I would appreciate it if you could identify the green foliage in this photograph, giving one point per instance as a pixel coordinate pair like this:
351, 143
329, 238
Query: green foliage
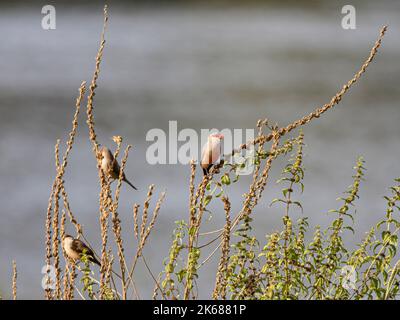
87, 279
173, 276
242, 271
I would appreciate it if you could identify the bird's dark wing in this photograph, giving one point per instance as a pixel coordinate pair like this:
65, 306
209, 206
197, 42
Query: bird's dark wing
116, 172
115, 169
80, 247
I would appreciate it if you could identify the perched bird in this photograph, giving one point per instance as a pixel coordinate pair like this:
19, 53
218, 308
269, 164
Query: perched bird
75, 249
211, 152
111, 167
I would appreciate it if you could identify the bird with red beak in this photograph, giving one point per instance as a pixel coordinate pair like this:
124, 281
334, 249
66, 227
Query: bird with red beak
211, 152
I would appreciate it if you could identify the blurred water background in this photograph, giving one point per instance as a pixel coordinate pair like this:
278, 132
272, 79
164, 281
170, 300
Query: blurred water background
204, 66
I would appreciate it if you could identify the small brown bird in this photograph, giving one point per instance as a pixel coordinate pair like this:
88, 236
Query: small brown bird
211, 152
75, 249
110, 166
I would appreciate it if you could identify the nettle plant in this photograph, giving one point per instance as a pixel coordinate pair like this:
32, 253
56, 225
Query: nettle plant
287, 265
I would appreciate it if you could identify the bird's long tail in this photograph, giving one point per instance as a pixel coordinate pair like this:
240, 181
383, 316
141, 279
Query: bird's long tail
94, 260
127, 181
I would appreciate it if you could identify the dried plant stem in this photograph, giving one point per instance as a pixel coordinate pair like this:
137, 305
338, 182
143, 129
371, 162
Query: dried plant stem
55, 246
105, 193
135, 220
78, 227
145, 232
319, 111
49, 215
93, 86
58, 186
221, 281
194, 228
49, 234
258, 185
156, 281
192, 208
157, 287
66, 269
145, 211
105, 199
104, 213
14, 280
117, 223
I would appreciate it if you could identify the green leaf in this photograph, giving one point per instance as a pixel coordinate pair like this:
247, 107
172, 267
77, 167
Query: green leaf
225, 179
207, 200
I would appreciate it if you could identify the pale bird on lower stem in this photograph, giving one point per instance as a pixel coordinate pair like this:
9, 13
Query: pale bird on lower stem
211, 152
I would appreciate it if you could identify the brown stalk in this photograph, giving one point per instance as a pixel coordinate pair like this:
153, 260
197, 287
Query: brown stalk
221, 281
117, 222
93, 86
145, 232
135, 220
61, 167
14, 280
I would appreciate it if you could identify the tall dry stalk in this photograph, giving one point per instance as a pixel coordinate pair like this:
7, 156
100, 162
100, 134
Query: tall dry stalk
52, 217
221, 278
145, 229
14, 280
